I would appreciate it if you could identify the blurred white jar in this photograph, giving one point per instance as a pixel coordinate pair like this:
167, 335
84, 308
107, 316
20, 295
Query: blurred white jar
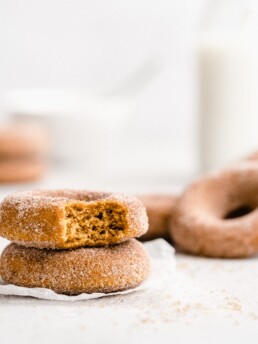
228, 77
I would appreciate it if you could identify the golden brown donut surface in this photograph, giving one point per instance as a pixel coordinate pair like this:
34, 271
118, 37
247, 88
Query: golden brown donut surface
81, 270
71, 218
217, 216
159, 210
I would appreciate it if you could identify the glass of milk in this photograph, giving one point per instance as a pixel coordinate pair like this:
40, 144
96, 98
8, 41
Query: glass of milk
228, 83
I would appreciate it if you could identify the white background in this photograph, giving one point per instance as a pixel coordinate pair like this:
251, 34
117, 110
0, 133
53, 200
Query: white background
96, 46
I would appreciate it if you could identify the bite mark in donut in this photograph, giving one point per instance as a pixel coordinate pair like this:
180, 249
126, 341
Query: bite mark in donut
96, 222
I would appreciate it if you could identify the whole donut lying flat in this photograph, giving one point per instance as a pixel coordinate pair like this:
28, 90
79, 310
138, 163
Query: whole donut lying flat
159, 210
21, 170
68, 218
82, 270
218, 215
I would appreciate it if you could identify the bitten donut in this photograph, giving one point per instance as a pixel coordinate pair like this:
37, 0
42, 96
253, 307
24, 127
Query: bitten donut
159, 210
61, 219
82, 270
217, 216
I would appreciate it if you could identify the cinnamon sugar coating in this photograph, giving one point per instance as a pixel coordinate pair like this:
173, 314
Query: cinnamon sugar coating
217, 216
61, 219
81, 270
160, 211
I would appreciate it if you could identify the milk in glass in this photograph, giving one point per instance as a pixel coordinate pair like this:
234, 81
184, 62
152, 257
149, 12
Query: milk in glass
228, 80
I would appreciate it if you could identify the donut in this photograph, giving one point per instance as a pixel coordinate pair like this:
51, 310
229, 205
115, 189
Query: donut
81, 270
18, 140
23, 149
61, 219
217, 216
159, 210
21, 170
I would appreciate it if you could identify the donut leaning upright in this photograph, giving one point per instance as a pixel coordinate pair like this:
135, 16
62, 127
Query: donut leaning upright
217, 216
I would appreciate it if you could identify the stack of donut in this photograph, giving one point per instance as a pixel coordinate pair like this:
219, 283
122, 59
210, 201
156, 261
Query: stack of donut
73, 241
23, 149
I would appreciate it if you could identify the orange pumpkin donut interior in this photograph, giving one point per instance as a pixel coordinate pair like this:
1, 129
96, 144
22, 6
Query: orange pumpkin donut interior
217, 216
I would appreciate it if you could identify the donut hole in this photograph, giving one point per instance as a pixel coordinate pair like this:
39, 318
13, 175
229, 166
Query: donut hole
240, 211
95, 223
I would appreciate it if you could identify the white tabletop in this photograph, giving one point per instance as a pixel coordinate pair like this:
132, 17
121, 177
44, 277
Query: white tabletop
207, 301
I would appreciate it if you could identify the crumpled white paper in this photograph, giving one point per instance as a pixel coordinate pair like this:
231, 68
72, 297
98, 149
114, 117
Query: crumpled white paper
162, 266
